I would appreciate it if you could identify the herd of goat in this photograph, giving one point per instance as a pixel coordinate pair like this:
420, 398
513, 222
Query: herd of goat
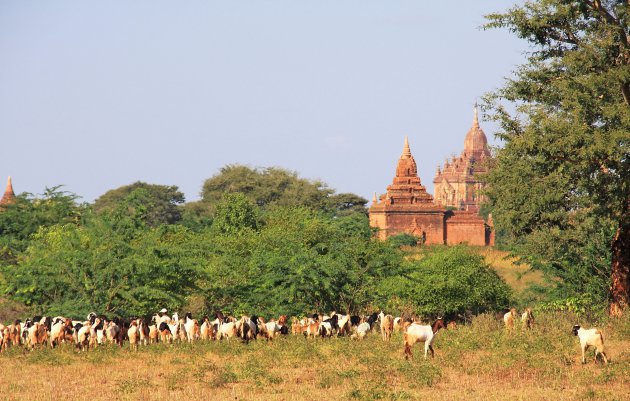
96, 330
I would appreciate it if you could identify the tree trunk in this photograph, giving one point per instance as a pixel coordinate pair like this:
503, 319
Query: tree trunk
620, 272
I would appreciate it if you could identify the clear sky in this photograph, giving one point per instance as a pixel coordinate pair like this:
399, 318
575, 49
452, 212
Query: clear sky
99, 94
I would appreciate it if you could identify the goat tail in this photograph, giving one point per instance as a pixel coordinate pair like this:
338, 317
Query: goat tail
601, 335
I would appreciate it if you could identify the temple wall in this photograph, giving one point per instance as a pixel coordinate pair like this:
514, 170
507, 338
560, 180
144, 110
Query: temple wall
417, 223
379, 220
465, 228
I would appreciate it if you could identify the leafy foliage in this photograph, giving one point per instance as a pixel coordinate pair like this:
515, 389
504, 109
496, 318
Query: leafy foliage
276, 186
22, 218
74, 269
247, 259
448, 282
298, 261
234, 213
160, 202
560, 189
403, 239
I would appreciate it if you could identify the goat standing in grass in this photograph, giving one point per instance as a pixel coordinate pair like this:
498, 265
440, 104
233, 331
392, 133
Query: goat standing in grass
58, 331
590, 338
144, 332
83, 335
14, 333
527, 319
296, 326
509, 318
271, 329
416, 332
387, 326
133, 334
312, 328
205, 331
37, 335
365, 327
112, 331
190, 327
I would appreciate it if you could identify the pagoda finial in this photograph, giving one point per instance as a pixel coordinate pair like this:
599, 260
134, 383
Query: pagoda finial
406, 150
476, 117
9, 195
374, 199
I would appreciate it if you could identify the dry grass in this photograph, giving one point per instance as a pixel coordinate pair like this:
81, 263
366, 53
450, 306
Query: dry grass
518, 276
474, 362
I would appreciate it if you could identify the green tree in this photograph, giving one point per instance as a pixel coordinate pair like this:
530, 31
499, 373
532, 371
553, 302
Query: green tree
22, 218
266, 186
74, 269
447, 281
234, 213
160, 201
347, 203
560, 189
296, 261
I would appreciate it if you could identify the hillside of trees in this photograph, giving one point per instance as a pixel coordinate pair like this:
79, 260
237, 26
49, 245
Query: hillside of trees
252, 247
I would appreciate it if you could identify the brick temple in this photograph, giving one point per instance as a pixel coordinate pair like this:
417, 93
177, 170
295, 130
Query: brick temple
456, 183
450, 218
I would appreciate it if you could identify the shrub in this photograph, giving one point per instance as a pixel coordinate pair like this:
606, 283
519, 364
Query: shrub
403, 239
450, 282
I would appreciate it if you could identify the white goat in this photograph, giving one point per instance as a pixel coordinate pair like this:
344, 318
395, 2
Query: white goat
272, 328
590, 338
416, 332
58, 331
227, 330
190, 326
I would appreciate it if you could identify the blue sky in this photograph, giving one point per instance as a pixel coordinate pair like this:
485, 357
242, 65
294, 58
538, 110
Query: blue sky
99, 94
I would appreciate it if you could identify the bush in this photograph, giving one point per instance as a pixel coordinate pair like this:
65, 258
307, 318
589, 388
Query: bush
447, 281
403, 240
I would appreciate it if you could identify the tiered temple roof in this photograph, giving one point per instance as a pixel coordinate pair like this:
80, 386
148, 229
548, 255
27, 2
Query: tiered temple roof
406, 188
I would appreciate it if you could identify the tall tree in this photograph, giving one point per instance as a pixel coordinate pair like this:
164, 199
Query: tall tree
561, 184
266, 186
161, 202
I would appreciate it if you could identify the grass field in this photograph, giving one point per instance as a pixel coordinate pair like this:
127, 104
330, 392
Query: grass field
480, 361
520, 277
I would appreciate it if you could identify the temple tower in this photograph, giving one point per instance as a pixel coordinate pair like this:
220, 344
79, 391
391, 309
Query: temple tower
9, 195
456, 182
406, 207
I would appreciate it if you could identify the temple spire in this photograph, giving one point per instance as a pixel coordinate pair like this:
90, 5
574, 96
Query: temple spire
9, 195
476, 117
374, 199
406, 150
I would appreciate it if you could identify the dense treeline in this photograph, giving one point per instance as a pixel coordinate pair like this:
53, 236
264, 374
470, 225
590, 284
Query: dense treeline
127, 254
